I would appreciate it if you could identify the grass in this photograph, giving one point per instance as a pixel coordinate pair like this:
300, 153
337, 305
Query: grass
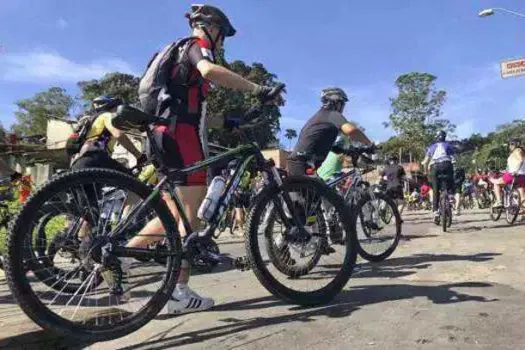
53, 226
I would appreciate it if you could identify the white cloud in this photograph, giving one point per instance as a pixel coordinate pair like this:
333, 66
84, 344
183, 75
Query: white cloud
62, 24
43, 67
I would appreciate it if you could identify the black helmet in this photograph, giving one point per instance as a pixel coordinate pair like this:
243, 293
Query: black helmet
232, 165
105, 103
393, 158
442, 135
514, 141
333, 94
203, 15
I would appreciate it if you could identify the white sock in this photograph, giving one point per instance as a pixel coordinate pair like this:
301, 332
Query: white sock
181, 287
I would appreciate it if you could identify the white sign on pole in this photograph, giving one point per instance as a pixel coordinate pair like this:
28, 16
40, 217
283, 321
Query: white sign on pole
512, 68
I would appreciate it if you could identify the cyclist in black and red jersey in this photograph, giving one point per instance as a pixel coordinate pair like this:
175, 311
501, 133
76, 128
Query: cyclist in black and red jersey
184, 141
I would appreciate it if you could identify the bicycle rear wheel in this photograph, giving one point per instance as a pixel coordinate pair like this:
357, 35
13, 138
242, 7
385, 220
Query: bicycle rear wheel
513, 206
378, 226
319, 282
92, 312
444, 210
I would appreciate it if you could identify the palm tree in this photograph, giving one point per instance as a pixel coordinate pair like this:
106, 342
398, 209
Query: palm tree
290, 134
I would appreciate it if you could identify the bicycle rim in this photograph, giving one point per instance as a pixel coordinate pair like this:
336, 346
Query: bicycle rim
296, 270
92, 311
378, 227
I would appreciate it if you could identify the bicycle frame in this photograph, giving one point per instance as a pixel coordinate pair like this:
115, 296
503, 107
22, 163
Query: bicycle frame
357, 180
248, 153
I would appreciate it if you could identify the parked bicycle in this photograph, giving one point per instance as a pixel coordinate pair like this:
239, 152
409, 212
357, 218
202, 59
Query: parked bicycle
92, 312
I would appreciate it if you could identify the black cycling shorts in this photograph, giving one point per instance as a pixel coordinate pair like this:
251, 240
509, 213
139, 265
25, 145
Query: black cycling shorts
241, 200
395, 192
181, 147
98, 159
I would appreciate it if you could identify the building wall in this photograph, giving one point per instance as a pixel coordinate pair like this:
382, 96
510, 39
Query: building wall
57, 133
278, 155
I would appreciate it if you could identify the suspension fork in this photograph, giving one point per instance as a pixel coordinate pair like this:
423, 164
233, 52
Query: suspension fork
270, 168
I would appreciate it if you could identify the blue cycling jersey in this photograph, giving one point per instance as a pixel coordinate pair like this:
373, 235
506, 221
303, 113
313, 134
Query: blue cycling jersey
440, 152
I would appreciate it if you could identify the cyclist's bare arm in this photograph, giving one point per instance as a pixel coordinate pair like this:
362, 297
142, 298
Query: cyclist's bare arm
355, 134
224, 77
122, 138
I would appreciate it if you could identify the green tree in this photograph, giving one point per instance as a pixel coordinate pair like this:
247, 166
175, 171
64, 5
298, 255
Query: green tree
225, 102
33, 113
290, 134
493, 151
416, 111
124, 86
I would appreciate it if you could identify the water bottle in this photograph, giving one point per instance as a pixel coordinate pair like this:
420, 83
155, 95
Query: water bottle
210, 202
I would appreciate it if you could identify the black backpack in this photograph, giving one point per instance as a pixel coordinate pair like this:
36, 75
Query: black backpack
153, 87
75, 141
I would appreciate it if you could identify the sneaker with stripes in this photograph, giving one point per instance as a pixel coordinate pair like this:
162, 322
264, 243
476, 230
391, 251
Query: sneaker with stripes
184, 300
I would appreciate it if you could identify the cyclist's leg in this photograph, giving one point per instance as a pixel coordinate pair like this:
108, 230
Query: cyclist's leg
498, 191
435, 189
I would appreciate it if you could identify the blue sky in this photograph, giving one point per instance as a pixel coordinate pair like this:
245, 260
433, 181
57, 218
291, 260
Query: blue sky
361, 46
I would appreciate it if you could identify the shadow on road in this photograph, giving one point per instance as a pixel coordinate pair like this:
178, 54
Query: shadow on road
347, 302
408, 265
41, 340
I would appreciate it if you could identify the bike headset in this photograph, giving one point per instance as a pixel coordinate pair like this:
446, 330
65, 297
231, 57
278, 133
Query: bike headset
202, 16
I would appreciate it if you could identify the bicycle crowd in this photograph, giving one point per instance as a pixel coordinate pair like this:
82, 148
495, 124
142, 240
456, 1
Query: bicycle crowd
93, 236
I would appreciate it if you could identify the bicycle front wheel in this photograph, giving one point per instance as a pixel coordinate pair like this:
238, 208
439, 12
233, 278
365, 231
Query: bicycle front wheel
298, 260
95, 202
378, 226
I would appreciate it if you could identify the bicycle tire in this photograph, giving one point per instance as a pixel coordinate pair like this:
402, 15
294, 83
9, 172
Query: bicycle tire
395, 214
444, 210
33, 306
308, 298
512, 211
494, 213
275, 252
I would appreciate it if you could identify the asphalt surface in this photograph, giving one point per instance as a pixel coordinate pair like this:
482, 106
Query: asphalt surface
463, 289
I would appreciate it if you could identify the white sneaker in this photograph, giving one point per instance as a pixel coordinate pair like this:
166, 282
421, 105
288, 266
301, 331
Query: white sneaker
184, 300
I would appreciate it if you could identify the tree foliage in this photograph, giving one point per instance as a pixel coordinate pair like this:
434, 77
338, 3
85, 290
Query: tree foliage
124, 86
225, 102
416, 112
290, 134
33, 113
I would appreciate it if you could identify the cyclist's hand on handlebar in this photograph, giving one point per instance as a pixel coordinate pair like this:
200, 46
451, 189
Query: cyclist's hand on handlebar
271, 94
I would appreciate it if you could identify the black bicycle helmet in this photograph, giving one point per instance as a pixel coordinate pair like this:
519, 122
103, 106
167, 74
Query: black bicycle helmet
333, 94
205, 15
393, 158
105, 103
514, 141
441, 135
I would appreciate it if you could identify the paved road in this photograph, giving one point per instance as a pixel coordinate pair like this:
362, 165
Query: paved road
461, 290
